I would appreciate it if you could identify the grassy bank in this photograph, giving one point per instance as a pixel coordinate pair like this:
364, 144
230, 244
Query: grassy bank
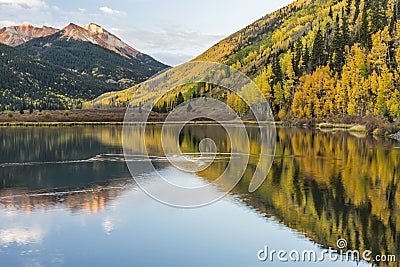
63, 116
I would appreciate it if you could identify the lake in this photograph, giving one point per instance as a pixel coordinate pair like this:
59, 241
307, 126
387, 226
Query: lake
67, 198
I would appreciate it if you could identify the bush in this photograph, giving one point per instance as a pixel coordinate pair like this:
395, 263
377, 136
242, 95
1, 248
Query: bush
372, 122
10, 114
282, 114
66, 113
378, 125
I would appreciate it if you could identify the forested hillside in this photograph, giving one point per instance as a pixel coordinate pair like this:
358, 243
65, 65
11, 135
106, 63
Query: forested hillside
49, 68
29, 83
322, 58
312, 59
93, 60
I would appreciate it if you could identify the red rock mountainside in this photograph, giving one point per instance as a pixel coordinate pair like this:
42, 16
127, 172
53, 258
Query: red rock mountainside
16, 35
111, 41
98, 35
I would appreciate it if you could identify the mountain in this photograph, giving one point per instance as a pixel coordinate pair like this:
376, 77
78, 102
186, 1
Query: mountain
323, 59
94, 51
57, 69
111, 42
96, 34
16, 35
26, 81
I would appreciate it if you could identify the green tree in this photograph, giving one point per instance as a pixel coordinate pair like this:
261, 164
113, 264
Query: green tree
179, 99
365, 34
378, 16
318, 51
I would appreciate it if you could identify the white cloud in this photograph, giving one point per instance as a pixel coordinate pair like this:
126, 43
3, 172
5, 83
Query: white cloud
82, 9
20, 236
6, 23
108, 226
110, 11
173, 46
24, 3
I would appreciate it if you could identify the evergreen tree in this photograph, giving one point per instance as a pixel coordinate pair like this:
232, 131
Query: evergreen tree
357, 11
338, 45
318, 51
277, 71
365, 34
189, 108
298, 53
345, 33
348, 7
179, 99
306, 57
378, 17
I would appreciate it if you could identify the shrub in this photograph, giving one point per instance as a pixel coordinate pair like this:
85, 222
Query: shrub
282, 114
10, 114
378, 125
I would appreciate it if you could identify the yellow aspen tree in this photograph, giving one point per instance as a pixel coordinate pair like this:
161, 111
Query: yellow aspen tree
264, 81
289, 82
354, 73
299, 102
385, 91
380, 49
374, 85
340, 99
279, 99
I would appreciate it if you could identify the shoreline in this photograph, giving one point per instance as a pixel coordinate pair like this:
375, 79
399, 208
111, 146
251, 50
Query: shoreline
72, 124
326, 127
369, 125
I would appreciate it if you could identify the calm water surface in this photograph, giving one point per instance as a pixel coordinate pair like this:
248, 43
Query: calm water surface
68, 199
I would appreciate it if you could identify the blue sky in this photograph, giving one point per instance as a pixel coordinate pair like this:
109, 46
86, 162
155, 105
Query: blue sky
172, 31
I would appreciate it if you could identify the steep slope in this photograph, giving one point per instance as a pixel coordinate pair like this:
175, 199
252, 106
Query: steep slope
108, 40
251, 48
96, 52
322, 58
16, 35
325, 59
26, 81
111, 42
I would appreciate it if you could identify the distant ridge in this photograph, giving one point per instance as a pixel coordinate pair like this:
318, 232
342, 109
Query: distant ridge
93, 33
17, 35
